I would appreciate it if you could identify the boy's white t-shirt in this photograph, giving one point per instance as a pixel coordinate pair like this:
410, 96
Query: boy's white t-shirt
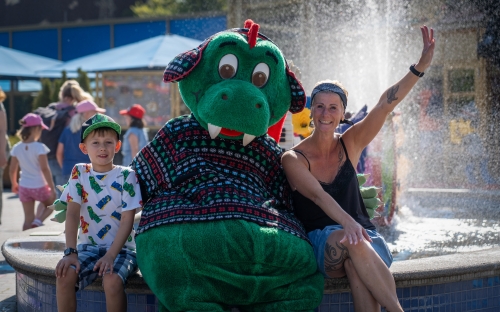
27, 154
102, 197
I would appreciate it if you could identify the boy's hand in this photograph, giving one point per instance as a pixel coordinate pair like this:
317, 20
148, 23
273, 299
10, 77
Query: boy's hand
105, 264
65, 263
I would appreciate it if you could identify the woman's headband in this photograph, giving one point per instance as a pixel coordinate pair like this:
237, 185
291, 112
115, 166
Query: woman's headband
327, 86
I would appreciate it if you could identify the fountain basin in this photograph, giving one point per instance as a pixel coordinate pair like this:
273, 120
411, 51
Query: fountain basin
459, 282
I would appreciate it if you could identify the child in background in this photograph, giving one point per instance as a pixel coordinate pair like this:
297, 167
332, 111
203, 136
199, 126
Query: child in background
102, 199
36, 182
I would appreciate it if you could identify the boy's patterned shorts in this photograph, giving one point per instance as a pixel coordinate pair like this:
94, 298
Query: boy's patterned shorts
125, 264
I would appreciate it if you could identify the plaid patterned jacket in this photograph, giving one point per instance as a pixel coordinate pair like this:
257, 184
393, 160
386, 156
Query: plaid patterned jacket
186, 176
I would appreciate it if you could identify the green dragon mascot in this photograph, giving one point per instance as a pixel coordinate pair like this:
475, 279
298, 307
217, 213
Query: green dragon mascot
217, 230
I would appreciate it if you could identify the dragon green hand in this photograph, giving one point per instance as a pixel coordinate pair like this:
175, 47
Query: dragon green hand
369, 194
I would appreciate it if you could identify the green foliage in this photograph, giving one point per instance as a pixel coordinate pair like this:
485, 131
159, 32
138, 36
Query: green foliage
83, 80
44, 96
159, 8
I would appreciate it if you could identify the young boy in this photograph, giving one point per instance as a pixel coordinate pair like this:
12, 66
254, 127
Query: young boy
102, 198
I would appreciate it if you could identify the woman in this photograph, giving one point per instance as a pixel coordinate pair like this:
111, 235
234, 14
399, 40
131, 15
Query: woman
61, 114
68, 152
320, 170
136, 136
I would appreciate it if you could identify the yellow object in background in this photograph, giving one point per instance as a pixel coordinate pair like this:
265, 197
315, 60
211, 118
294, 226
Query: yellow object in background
459, 129
301, 122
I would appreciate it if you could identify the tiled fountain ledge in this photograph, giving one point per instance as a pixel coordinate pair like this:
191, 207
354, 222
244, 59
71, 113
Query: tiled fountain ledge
459, 282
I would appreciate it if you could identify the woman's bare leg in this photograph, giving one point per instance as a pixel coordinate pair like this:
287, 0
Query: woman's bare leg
362, 297
371, 270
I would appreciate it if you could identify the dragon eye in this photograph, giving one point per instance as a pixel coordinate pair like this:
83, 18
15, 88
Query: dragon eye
260, 75
228, 66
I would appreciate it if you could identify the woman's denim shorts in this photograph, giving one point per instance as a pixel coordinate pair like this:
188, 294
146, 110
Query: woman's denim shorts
318, 239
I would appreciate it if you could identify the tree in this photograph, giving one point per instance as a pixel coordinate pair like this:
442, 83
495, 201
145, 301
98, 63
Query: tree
43, 98
83, 80
57, 86
158, 8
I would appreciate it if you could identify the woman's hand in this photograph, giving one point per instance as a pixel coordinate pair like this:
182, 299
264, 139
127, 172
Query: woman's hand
354, 233
427, 50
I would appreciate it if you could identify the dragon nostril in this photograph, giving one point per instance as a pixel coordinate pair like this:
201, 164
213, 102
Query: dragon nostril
224, 96
258, 105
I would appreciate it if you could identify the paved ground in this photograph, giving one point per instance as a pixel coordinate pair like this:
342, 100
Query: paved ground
12, 222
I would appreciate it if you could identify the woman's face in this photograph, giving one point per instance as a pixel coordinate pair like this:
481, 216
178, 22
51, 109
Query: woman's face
327, 111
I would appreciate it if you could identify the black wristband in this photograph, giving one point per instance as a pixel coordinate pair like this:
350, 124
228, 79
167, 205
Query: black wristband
416, 72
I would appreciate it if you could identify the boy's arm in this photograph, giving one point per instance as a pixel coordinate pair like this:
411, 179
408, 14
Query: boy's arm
105, 264
71, 226
71, 233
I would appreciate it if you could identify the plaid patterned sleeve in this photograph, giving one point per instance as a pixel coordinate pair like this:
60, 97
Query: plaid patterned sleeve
154, 164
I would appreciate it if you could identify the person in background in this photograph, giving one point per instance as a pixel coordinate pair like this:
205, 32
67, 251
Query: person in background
36, 182
68, 152
57, 116
4, 146
136, 136
326, 195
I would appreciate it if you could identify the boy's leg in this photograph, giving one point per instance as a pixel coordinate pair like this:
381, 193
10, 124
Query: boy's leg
125, 264
65, 291
116, 300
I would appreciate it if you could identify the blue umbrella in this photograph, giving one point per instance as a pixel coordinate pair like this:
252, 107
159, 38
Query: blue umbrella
146, 54
20, 65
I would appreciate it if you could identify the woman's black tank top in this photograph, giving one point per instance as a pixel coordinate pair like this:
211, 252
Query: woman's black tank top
344, 189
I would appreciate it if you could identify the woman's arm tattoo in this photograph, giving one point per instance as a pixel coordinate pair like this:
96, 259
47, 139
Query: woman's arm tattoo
335, 257
391, 94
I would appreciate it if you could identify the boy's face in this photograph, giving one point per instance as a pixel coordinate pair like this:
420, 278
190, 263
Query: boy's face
101, 148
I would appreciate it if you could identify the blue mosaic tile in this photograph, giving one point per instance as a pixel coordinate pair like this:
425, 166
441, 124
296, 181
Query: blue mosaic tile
334, 298
345, 297
325, 300
406, 292
344, 308
414, 291
479, 294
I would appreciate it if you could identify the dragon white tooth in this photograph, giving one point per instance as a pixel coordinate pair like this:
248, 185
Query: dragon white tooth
247, 138
213, 130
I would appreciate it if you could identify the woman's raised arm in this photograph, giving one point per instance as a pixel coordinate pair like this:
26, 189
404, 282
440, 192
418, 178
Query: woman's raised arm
362, 133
